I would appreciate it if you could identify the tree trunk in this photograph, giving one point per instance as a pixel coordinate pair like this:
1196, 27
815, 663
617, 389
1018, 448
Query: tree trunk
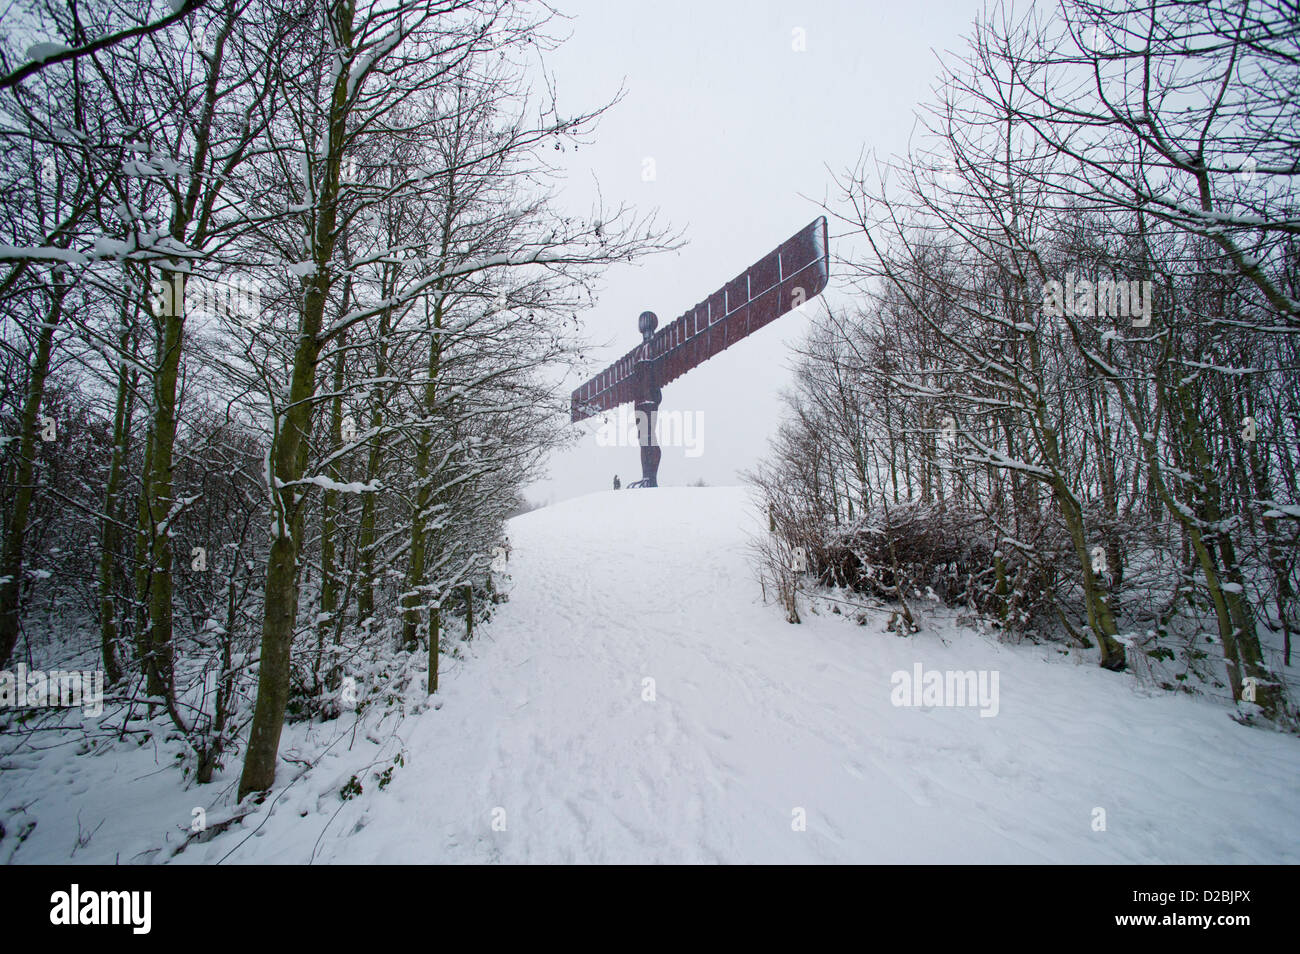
140, 608
290, 454
11, 558
281, 609
110, 535
424, 494
329, 507
434, 648
160, 504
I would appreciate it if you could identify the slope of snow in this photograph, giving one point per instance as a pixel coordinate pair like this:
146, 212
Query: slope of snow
546, 748
548, 730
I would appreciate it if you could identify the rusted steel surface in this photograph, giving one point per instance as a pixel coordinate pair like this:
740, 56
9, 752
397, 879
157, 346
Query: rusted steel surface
794, 272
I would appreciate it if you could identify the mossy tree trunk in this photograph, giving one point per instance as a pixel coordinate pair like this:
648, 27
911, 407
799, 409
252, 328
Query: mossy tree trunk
290, 452
11, 557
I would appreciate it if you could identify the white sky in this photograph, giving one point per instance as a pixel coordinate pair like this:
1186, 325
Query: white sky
742, 130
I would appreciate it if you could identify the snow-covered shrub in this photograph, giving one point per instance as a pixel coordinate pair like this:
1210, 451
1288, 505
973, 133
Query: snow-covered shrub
935, 548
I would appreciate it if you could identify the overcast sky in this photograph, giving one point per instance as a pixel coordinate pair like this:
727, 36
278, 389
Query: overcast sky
741, 128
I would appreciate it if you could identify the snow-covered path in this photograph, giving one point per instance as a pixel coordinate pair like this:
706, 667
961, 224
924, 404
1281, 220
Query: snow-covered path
546, 749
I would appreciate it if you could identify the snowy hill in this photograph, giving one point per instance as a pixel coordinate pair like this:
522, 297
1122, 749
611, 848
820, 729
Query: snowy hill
549, 746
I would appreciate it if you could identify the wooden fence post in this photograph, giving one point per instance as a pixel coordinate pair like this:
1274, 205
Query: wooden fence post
434, 640
469, 612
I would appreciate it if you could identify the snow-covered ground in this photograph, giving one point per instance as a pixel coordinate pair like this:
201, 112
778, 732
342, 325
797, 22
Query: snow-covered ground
757, 741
